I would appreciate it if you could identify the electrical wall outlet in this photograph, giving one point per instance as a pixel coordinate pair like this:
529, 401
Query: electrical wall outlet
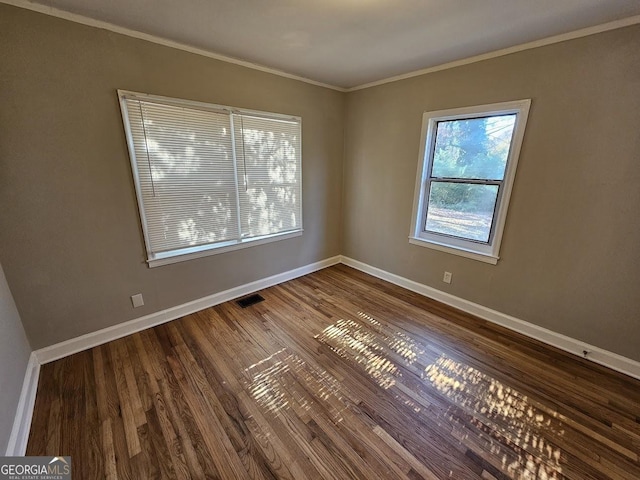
447, 277
137, 300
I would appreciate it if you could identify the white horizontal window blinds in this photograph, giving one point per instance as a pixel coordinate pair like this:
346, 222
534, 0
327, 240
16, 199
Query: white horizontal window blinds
269, 160
186, 178
211, 177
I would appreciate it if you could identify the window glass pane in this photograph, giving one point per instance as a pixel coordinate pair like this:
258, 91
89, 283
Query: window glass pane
185, 168
473, 148
270, 209
208, 178
269, 172
462, 210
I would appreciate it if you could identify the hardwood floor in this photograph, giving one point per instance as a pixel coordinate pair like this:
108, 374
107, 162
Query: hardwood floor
336, 375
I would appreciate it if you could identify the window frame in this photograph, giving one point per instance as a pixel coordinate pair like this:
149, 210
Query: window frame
484, 252
155, 259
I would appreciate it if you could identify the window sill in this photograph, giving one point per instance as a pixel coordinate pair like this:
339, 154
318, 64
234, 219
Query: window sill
462, 252
200, 251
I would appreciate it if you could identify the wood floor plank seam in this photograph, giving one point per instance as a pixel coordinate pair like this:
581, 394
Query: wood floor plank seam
336, 375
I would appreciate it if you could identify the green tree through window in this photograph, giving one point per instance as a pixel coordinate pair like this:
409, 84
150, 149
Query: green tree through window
466, 170
475, 149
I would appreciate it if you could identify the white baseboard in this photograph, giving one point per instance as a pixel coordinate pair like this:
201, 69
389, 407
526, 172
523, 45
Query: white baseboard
84, 342
17, 445
20, 432
598, 355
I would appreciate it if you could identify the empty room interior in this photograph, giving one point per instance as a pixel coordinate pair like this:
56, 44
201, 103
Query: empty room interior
357, 239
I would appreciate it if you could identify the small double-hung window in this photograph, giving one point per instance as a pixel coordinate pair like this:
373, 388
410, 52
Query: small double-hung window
466, 168
211, 178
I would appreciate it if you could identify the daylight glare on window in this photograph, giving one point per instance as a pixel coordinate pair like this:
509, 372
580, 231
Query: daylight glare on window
189, 196
473, 148
461, 210
468, 154
466, 169
268, 162
209, 176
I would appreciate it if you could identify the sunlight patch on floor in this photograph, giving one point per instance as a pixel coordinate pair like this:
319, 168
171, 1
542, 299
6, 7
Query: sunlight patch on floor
283, 380
370, 347
504, 415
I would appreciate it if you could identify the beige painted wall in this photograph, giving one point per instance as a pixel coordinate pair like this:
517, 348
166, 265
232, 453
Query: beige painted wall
570, 257
70, 238
14, 357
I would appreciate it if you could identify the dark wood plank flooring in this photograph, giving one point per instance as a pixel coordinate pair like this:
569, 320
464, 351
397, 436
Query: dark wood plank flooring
336, 375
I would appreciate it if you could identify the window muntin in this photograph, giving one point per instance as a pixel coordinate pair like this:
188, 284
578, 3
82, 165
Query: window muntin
211, 178
463, 210
465, 172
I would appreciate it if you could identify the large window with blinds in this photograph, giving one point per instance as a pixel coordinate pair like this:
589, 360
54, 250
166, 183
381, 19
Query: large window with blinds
211, 178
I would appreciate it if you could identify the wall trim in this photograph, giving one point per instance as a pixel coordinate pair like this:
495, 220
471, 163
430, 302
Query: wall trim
91, 22
22, 424
93, 339
563, 37
17, 445
596, 354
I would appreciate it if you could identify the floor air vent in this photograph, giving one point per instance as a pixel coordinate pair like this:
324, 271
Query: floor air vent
250, 300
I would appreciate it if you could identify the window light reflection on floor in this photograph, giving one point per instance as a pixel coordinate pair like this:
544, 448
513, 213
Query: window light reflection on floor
516, 429
371, 347
283, 380
516, 434
505, 416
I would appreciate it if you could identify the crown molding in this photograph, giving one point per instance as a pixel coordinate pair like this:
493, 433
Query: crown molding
73, 17
583, 32
91, 22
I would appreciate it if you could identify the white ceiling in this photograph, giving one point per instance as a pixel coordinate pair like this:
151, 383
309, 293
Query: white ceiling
347, 43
